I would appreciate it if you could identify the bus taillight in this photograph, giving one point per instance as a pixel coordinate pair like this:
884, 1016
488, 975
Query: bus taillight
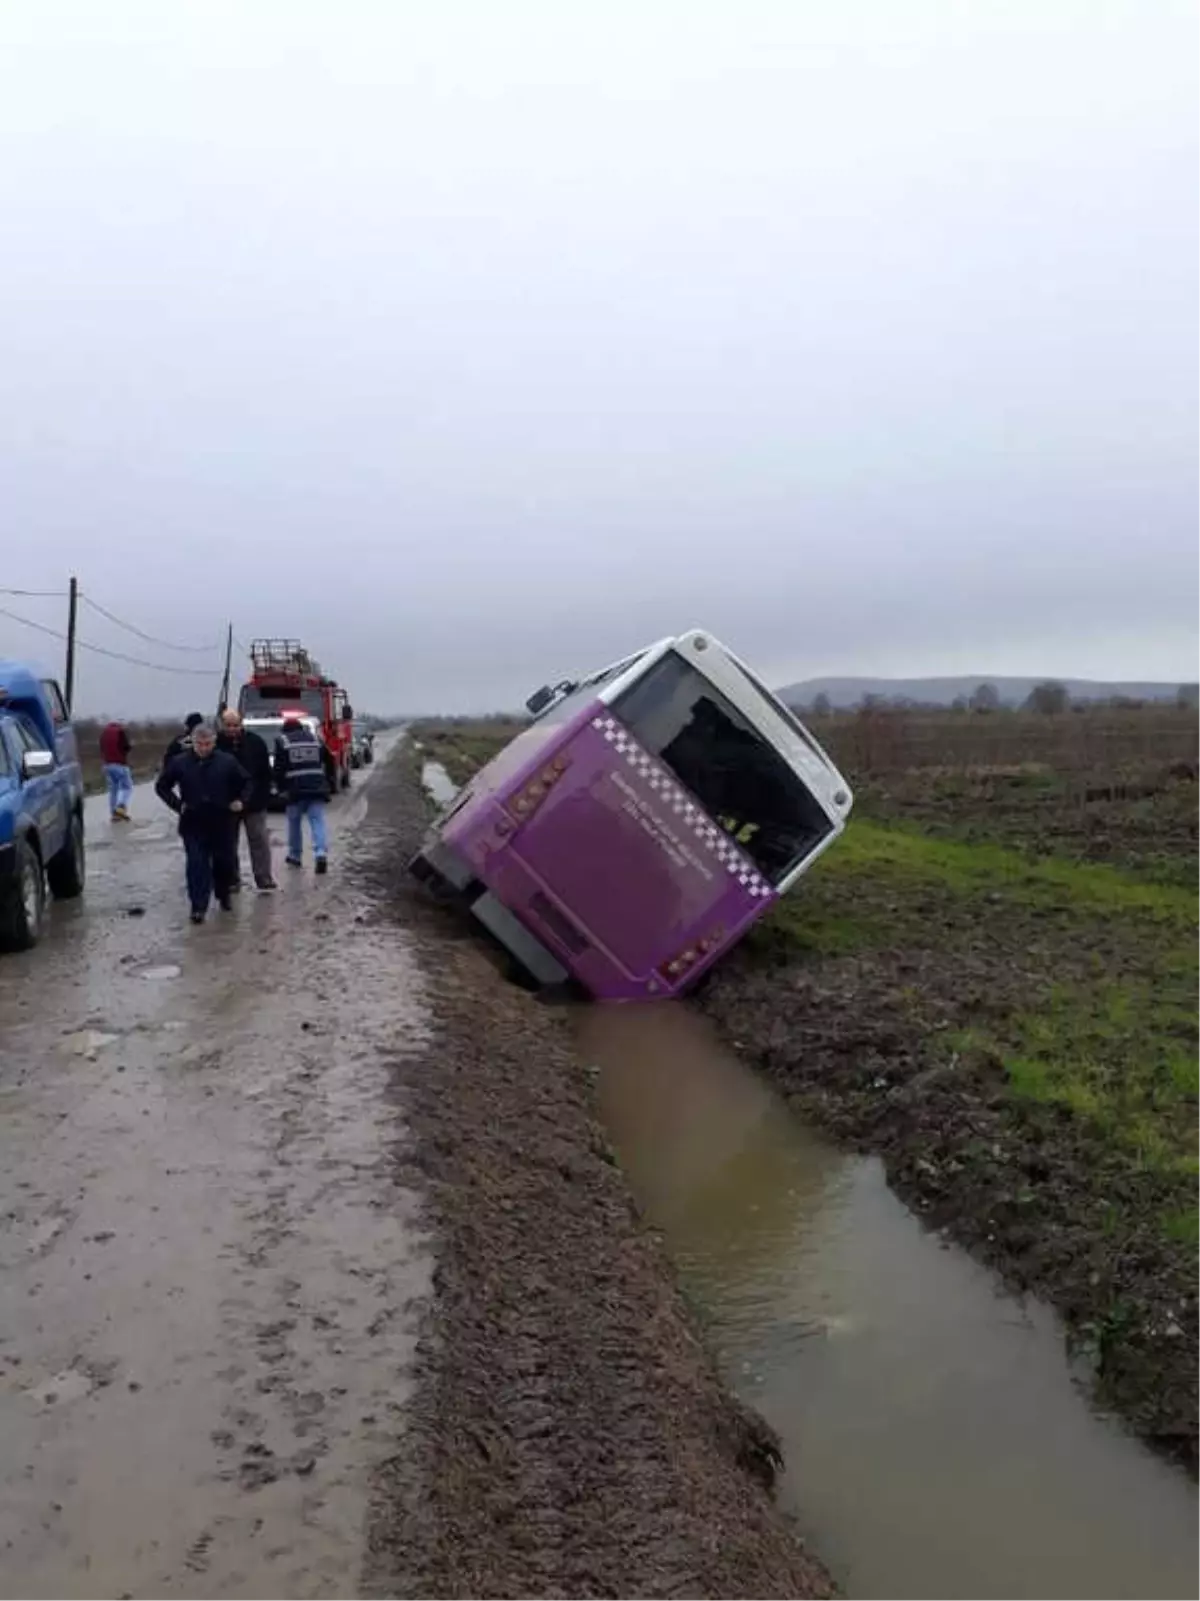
679, 966
526, 800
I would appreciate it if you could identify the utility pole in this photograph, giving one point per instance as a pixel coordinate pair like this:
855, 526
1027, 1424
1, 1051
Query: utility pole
72, 607
228, 665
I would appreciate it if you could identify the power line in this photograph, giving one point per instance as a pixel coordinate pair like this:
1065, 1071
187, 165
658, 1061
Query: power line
29, 623
151, 639
138, 661
36, 594
115, 655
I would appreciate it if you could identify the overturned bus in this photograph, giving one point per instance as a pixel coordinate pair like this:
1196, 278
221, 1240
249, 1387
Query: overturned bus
647, 816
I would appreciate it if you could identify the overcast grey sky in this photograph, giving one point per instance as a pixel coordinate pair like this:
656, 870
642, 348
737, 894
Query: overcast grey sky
479, 342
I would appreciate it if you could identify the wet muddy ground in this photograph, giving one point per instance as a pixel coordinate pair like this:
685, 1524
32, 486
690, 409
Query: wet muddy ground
318, 1278
569, 1434
210, 1274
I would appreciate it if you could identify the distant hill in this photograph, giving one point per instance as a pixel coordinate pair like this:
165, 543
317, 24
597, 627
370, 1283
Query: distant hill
843, 692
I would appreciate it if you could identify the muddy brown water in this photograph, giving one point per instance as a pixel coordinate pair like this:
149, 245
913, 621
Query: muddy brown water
936, 1441
209, 1279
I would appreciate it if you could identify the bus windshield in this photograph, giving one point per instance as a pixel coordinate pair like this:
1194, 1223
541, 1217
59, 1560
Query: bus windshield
739, 778
267, 700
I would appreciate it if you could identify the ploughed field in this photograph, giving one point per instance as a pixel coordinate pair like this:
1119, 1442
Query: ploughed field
991, 980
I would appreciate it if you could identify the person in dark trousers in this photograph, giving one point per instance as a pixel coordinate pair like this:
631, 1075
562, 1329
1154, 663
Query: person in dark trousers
251, 751
114, 753
206, 787
183, 741
300, 770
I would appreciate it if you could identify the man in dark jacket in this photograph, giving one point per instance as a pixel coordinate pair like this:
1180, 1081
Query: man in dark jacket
114, 753
183, 741
246, 746
206, 788
300, 770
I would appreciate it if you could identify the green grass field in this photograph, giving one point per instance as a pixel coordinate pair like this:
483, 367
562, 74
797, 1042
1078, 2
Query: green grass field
1102, 1020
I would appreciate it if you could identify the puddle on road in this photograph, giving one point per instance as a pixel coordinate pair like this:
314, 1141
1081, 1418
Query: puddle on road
438, 782
936, 1444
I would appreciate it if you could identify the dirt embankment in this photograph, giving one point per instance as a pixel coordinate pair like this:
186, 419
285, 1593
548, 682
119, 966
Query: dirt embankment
897, 1048
569, 1434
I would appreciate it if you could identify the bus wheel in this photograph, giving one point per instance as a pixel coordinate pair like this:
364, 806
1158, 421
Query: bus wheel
346, 777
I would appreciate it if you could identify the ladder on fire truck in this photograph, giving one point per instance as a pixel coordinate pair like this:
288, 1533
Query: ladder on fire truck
269, 657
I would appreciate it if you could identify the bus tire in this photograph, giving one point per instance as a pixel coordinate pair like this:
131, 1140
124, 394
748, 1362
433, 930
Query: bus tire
421, 869
23, 906
65, 872
427, 874
519, 975
346, 776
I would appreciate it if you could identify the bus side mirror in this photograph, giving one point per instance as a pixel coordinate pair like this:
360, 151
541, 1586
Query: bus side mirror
539, 700
348, 711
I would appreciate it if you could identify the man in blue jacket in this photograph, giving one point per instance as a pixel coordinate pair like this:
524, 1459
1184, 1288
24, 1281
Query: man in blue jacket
300, 771
206, 788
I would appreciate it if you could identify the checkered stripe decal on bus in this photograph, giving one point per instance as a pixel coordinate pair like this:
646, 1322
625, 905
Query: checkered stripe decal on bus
714, 840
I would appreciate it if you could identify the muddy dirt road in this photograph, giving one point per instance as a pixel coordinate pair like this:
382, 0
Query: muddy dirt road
318, 1276
210, 1277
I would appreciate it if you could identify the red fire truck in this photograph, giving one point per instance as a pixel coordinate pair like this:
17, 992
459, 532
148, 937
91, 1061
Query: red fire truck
284, 677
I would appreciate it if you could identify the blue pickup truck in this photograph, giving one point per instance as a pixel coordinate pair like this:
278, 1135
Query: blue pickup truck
41, 803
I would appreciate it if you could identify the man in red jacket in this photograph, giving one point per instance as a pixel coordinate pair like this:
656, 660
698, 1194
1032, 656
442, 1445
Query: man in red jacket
114, 753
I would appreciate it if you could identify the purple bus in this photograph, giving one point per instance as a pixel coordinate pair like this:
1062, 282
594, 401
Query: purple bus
647, 816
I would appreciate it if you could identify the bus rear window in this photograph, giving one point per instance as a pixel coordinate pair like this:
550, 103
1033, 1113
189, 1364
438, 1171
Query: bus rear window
739, 779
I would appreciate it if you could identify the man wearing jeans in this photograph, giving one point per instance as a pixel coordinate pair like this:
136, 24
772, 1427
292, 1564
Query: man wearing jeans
114, 753
300, 769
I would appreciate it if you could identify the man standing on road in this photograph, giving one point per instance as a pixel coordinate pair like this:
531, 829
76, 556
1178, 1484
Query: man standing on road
246, 747
206, 787
300, 769
183, 741
114, 753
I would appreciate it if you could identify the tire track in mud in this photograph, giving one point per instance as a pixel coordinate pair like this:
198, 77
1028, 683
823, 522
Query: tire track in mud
568, 1434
